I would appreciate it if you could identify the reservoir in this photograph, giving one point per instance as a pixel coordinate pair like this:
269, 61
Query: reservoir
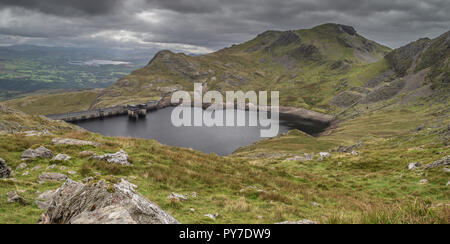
157, 125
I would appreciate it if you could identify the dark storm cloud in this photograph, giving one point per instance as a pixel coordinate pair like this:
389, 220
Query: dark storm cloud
204, 25
66, 7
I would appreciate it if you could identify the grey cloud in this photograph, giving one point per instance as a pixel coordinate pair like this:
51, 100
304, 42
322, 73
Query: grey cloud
214, 24
66, 7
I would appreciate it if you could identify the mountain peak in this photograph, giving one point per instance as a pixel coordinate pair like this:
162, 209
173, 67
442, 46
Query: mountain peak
337, 28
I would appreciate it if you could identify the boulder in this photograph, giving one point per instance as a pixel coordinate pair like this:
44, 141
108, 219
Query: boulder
178, 197
5, 171
442, 162
413, 166
43, 200
74, 142
102, 203
61, 157
106, 215
14, 197
52, 177
40, 152
120, 157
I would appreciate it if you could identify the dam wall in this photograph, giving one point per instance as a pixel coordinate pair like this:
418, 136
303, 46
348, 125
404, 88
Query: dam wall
105, 112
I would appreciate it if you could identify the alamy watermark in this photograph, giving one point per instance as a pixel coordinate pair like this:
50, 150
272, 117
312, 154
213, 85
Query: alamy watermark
235, 105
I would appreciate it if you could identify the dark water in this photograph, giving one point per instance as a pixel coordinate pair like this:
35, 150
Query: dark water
220, 140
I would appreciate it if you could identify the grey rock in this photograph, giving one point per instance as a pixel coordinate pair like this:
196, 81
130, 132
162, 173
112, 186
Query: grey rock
98, 203
37, 133
72, 172
120, 157
5, 171
446, 170
300, 222
178, 197
74, 142
442, 162
344, 149
106, 215
413, 166
43, 200
40, 152
14, 197
26, 173
52, 177
61, 158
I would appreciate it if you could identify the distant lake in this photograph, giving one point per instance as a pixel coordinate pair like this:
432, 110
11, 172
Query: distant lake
98, 62
220, 140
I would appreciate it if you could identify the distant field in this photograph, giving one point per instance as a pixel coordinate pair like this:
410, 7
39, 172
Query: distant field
28, 69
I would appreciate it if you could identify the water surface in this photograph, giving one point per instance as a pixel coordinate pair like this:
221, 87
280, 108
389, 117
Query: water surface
220, 140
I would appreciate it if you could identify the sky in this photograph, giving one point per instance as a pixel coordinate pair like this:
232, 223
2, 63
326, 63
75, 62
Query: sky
202, 26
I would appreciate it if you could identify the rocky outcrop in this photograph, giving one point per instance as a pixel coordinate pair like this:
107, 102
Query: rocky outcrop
413, 166
101, 203
14, 197
61, 157
349, 149
52, 177
40, 152
74, 142
442, 162
178, 197
120, 157
43, 200
346, 99
5, 171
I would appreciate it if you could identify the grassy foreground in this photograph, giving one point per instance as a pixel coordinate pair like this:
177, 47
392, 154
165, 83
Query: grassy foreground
257, 184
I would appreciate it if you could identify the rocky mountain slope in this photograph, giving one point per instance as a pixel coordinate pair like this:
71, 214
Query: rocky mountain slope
306, 66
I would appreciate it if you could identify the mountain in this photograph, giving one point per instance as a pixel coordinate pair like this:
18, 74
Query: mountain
304, 65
